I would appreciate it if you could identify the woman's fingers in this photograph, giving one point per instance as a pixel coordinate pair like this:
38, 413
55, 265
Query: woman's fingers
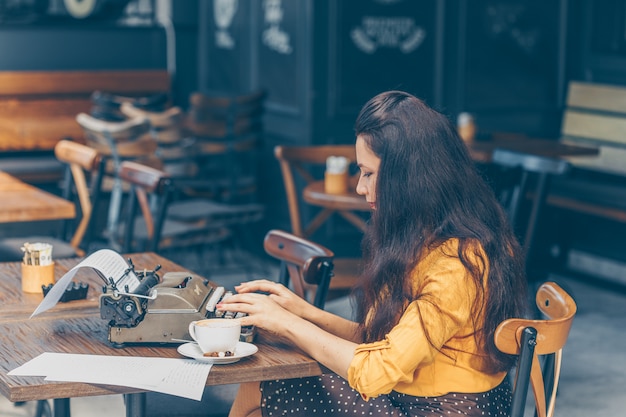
260, 310
261, 285
240, 300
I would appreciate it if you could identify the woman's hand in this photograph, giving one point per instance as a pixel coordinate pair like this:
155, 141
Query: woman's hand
279, 294
272, 307
262, 311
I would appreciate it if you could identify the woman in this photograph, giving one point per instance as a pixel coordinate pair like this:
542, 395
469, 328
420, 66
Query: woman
442, 270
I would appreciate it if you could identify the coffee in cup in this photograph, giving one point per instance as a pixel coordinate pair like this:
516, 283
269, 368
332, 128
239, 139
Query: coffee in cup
216, 337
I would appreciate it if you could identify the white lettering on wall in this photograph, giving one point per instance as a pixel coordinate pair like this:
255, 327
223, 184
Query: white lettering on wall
274, 37
224, 11
388, 32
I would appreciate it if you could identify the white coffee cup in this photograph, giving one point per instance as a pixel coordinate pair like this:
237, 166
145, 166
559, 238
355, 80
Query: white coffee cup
216, 335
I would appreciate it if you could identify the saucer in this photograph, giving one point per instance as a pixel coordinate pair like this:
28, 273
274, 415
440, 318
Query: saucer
192, 350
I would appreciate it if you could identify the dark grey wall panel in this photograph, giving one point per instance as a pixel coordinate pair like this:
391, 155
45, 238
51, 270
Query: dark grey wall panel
224, 54
81, 47
378, 46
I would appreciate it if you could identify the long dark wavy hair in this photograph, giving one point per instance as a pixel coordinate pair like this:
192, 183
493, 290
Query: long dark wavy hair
428, 190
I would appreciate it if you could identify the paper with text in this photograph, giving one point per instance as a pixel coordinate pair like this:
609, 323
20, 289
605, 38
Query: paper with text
108, 263
181, 377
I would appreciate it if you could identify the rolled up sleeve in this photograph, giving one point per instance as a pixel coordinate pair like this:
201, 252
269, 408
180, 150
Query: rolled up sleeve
441, 310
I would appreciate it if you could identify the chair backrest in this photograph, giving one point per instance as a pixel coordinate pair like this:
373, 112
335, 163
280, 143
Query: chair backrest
595, 116
130, 139
531, 338
174, 148
81, 159
145, 182
297, 164
525, 171
227, 130
308, 264
218, 116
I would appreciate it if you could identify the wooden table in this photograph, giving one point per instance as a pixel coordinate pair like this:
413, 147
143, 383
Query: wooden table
481, 151
23, 202
349, 204
343, 204
76, 327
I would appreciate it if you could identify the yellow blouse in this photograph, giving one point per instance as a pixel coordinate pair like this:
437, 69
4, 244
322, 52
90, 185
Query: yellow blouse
405, 361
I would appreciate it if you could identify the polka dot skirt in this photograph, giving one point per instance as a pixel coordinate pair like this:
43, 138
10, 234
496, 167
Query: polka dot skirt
330, 395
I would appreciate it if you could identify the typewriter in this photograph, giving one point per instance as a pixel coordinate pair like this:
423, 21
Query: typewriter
159, 310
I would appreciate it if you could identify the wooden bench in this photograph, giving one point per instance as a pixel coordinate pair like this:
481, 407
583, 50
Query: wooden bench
595, 116
39, 108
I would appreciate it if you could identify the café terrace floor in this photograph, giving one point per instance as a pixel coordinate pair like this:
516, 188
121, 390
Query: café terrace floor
592, 380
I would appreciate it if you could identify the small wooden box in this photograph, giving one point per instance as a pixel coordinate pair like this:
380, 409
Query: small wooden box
34, 276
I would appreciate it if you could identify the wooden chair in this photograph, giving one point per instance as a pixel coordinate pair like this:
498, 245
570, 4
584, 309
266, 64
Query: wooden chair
304, 165
524, 176
83, 179
149, 191
82, 159
107, 105
531, 338
174, 148
227, 130
128, 140
309, 265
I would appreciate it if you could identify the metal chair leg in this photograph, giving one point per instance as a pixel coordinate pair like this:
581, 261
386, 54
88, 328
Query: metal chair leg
43, 409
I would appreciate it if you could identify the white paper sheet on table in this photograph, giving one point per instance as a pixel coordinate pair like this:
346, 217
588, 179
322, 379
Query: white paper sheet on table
108, 263
181, 377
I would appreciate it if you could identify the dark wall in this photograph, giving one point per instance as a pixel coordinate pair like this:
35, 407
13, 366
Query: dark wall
78, 45
185, 74
514, 64
320, 60
506, 61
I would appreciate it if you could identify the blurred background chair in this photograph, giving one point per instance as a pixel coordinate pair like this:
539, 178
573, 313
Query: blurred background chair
309, 265
107, 106
128, 140
522, 185
175, 149
530, 339
225, 133
83, 182
302, 166
84, 167
149, 193
227, 130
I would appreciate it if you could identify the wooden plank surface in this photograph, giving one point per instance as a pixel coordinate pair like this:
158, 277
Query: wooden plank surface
598, 97
23, 202
18, 83
39, 108
481, 151
76, 327
595, 128
41, 133
23, 340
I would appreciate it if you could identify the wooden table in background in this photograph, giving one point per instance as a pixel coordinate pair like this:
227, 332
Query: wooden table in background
76, 327
349, 203
481, 151
23, 202
345, 205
